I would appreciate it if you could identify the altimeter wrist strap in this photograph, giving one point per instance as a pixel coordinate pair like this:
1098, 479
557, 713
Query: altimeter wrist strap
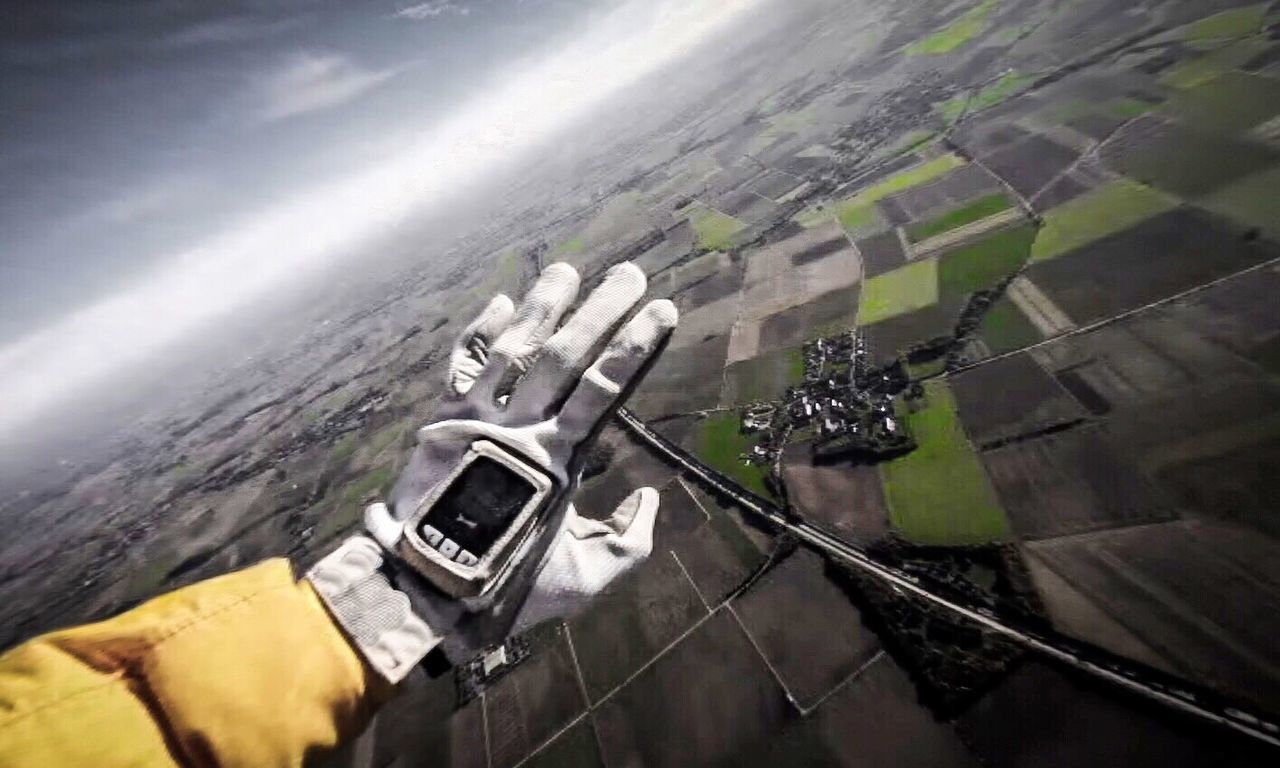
377, 617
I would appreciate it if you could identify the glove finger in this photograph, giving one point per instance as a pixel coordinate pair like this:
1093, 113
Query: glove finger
471, 351
529, 329
575, 346
617, 370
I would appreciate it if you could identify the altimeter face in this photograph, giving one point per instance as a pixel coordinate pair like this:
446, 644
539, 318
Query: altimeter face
468, 530
474, 511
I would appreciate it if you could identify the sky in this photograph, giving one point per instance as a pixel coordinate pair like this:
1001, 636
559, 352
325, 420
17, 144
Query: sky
170, 162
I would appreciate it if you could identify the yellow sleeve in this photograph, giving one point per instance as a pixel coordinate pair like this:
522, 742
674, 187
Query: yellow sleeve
243, 669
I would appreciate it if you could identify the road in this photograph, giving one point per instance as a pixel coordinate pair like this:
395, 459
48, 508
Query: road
1155, 686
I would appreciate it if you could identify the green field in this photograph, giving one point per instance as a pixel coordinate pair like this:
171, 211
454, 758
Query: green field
712, 229
965, 214
939, 493
981, 265
1008, 85
345, 446
576, 245
1231, 102
911, 177
1200, 70
1096, 214
859, 220
904, 289
780, 125
1126, 107
763, 377
1232, 23
719, 442
955, 34
1005, 328
858, 214
812, 216
910, 140
1252, 201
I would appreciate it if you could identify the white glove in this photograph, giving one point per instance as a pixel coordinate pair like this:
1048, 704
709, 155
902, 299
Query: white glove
588, 556
542, 393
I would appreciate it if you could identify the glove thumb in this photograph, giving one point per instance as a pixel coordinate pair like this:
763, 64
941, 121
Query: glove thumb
589, 556
384, 528
630, 525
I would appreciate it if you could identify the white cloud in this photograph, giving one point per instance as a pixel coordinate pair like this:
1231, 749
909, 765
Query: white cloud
246, 261
235, 29
431, 9
309, 81
148, 198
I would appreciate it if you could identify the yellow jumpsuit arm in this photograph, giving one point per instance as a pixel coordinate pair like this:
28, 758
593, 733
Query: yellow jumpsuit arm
243, 669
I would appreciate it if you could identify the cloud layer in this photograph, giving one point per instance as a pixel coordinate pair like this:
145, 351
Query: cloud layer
308, 82
431, 9
311, 229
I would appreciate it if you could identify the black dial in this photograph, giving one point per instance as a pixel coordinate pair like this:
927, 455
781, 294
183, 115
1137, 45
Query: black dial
477, 507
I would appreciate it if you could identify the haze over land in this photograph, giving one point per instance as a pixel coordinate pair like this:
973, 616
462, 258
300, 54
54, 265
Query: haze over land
982, 289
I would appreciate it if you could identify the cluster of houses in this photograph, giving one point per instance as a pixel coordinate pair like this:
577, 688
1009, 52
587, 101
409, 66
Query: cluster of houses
844, 407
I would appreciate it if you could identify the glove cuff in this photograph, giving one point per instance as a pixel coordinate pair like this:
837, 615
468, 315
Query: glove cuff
378, 618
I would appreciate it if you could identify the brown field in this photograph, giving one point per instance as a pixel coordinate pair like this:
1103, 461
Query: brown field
828, 313
1031, 164
805, 627
634, 621
774, 283
683, 380
657, 720
875, 721
846, 500
535, 701
1162, 256
1205, 596
881, 253
887, 338
1010, 397
1184, 399
1020, 724
1071, 482
1073, 613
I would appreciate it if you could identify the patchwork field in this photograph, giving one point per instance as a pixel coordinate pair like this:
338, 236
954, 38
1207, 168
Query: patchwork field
763, 377
1178, 587
1005, 328
889, 338
798, 269
845, 499
892, 293
712, 229
718, 441
938, 493
856, 213
828, 313
1096, 214
966, 214
1152, 260
1205, 161
1010, 397
982, 264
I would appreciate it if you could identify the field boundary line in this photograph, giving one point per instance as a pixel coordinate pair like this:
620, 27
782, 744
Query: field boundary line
1125, 315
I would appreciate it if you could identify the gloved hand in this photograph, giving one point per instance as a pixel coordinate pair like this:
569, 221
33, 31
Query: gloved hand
542, 394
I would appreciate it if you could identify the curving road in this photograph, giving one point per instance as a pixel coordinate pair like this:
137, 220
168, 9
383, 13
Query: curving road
1156, 686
